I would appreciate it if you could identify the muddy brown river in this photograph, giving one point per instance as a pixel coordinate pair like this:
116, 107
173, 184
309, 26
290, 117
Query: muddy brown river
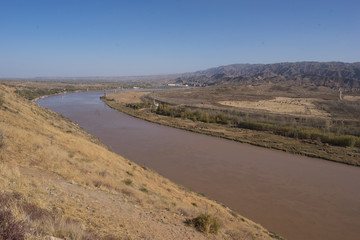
298, 197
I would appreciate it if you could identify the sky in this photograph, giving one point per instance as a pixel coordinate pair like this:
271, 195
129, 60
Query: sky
73, 38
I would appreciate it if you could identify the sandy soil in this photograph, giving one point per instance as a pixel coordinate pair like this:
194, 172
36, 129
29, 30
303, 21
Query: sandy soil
282, 105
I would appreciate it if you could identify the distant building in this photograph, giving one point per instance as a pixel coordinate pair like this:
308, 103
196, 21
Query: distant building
177, 85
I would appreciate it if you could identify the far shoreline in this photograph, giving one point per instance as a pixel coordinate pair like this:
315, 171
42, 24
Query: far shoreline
279, 143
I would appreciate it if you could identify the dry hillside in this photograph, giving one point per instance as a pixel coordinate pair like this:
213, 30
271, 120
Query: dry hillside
57, 180
327, 74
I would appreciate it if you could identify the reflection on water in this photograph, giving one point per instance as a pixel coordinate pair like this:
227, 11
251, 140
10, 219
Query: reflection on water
297, 197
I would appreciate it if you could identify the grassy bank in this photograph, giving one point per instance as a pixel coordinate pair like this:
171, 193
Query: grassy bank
298, 140
234, 120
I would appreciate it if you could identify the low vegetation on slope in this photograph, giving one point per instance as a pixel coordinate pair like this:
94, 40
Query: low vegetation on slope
57, 180
32, 90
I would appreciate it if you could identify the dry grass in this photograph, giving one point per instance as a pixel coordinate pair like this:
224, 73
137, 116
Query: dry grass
127, 96
282, 105
78, 187
352, 98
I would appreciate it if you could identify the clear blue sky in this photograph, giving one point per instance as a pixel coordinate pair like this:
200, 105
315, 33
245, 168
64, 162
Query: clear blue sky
126, 38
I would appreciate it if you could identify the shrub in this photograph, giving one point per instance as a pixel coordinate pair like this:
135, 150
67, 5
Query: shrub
1, 99
357, 142
39, 222
304, 134
256, 126
128, 181
343, 141
2, 143
136, 105
97, 183
144, 190
205, 223
222, 119
10, 229
103, 173
128, 192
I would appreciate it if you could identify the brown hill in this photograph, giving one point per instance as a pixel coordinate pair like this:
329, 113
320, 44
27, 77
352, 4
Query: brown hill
329, 74
57, 180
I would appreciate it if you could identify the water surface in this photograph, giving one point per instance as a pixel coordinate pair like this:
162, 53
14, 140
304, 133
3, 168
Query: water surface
297, 197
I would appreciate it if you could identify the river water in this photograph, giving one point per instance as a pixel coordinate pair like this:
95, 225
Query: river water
297, 197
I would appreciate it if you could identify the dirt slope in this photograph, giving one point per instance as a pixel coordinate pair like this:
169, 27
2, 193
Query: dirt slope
57, 180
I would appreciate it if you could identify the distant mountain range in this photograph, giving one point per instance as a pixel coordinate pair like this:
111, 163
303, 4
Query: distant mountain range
330, 74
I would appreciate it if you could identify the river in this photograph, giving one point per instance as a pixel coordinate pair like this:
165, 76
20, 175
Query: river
297, 197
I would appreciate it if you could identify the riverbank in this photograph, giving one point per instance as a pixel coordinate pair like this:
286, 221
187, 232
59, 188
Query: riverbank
121, 102
57, 180
274, 188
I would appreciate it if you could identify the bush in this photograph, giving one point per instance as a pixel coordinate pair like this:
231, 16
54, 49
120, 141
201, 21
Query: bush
194, 115
357, 142
144, 190
2, 142
342, 141
205, 223
10, 229
256, 126
1, 99
136, 105
222, 119
97, 183
128, 181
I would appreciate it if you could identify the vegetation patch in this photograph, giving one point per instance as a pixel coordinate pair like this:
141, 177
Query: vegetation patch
1, 99
10, 228
2, 139
39, 222
194, 115
32, 93
239, 120
138, 105
275, 236
143, 189
204, 223
128, 181
304, 133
